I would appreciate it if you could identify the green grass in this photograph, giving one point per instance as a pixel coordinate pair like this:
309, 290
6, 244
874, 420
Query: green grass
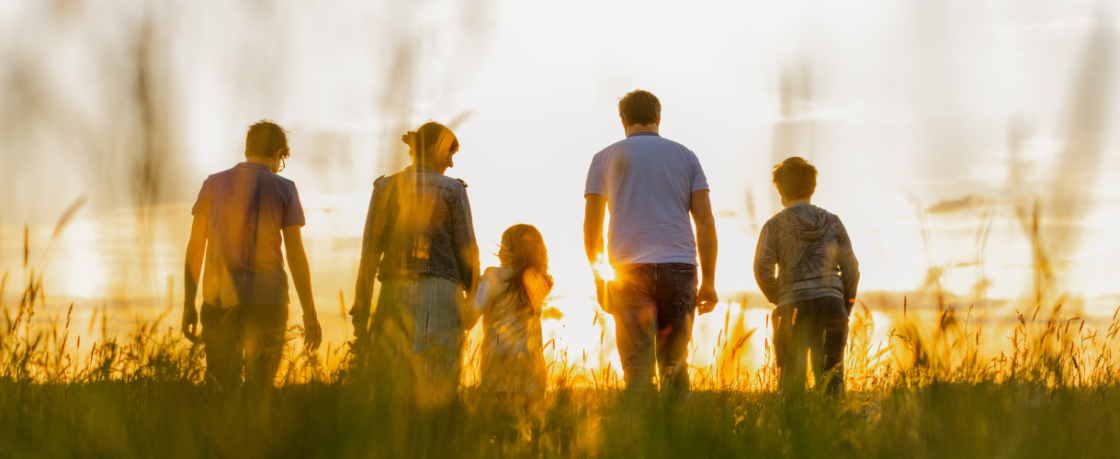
173, 420
1054, 394
1052, 390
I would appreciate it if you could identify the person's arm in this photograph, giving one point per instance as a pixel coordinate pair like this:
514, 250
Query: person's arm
192, 274
480, 302
594, 212
301, 276
537, 287
464, 242
765, 259
708, 246
849, 269
372, 249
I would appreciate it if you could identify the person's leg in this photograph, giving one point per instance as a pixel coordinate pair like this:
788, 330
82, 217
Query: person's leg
263, 328
834, 321
676, 301
390, 335
439, 337
814, 330
390, 363
635, 319
783, 333
793, 371
220, 330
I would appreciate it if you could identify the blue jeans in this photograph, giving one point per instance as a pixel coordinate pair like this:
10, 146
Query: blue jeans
653, 307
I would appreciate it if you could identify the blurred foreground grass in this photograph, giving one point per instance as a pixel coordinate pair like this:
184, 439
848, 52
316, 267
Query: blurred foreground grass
930, 394
180, 419
1053, 390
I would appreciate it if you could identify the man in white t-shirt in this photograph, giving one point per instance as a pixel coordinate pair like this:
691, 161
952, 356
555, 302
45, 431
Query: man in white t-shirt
651, 186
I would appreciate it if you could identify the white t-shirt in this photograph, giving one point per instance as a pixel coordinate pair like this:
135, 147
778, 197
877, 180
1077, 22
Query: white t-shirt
648, 182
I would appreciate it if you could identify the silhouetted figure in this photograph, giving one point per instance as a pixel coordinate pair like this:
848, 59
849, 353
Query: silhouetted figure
240, 219
419, 242
815, 287
510, 299
651, 186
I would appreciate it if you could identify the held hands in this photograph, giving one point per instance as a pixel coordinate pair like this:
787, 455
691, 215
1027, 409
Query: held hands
706, 297
312, 331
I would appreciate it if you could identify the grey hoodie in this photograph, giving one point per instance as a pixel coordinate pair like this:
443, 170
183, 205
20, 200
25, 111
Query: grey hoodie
813, 254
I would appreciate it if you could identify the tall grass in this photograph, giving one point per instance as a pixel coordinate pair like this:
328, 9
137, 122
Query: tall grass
929, 392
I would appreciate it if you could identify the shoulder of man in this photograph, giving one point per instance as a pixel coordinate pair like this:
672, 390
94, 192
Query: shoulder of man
687, 151
612, 147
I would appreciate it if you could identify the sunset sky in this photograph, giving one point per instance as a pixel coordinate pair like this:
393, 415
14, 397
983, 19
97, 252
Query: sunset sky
962, 112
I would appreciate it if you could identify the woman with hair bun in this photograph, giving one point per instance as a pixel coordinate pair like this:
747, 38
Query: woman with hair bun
419, 242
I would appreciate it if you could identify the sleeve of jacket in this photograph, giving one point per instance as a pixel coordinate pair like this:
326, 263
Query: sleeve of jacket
849, 266
373, 239
463, 241
765, 261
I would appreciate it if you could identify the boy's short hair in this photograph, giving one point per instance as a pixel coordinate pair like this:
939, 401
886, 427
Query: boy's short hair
264, 138
796, 178
639, 107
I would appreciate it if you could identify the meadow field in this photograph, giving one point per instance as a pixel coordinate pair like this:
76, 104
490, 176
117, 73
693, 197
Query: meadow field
932, 392
992, 123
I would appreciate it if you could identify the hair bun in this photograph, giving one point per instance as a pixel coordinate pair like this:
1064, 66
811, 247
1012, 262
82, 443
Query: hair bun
409, 138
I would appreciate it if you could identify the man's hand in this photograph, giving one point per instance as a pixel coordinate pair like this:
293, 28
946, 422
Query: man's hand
312, 332
601, 294
190, 321
706, 298
708, 246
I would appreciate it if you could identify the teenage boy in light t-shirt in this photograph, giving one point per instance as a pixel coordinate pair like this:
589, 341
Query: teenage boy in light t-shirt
240, 219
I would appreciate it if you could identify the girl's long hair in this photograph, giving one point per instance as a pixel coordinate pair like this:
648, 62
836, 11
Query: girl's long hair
524, 253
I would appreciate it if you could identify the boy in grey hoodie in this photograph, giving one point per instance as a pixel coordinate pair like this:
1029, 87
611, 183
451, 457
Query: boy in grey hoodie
815, 286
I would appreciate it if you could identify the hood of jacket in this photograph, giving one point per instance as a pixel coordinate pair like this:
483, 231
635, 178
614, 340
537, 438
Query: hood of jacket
807, 223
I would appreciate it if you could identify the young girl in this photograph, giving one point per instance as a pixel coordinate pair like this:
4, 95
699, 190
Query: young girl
510, 299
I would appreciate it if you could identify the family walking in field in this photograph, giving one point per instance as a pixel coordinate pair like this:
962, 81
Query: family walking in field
419, 243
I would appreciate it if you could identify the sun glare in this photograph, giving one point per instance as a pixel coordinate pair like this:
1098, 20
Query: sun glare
603, 270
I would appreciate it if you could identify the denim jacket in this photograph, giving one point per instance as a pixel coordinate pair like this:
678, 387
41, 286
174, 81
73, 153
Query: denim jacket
419, 223
813, 254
